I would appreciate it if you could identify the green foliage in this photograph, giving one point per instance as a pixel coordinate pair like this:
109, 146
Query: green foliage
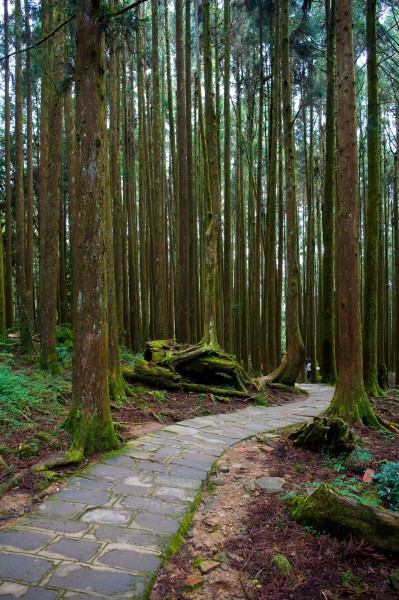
351, 488
260, 400
388, 484
64, 336
24, 392
130, 359
159, 395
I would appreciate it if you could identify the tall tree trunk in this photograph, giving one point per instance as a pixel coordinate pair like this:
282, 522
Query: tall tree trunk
183, 299
256, 341
90, 417
270, 252
142, 143
350, 400
327, 362
228, 273
22, 300
48, 265
29, 173
396, 246
294, 359
7, 167
69, 125
157, 205
115, 177
192, 205
213, 194
372, 223
134, 295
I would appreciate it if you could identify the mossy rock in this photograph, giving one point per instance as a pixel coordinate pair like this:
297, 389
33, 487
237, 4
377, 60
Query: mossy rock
281, 563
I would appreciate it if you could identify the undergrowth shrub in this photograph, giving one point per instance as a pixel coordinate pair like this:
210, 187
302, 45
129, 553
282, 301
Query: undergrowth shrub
26, 394
388, 484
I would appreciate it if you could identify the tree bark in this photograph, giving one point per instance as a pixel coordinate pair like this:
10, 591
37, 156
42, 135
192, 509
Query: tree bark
90, 418
7, 167
294, 360
350, 401
22, 300
372, 223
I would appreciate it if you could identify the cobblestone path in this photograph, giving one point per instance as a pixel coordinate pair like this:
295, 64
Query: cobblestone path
106, 533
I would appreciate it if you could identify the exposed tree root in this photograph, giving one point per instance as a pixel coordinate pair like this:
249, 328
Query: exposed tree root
71, 457
12, 482
321, 433
392, 427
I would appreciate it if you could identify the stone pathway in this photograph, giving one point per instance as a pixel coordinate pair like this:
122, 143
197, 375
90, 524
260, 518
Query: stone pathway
107, 532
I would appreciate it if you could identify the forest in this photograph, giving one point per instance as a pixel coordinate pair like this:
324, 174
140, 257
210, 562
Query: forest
197, 197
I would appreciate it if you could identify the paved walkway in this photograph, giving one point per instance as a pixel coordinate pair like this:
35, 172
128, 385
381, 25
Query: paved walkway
106, 533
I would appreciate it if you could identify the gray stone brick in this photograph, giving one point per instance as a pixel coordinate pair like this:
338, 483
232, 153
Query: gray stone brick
154, 505
130, 560
11, 591
24, 540
156, 523
28, 569
133, 537
100, 580
78, 549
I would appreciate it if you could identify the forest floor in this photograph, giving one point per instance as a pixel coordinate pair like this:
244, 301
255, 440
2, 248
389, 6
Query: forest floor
238, 527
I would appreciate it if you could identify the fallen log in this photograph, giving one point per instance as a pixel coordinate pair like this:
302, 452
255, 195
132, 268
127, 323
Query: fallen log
327, 510
163, 378
202, 363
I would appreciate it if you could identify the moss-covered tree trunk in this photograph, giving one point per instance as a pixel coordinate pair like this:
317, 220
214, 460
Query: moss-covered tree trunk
142, 151
213, 209
7, 168
294, 360
327, 321
50, 206
396, 246
372, 223
159, 296
90, 418
270, 360
183, 299
228, 269
29, 169
350, 400
3, 327
256, 340
22, 300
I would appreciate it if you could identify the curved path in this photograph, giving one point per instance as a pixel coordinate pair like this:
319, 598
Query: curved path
107, 532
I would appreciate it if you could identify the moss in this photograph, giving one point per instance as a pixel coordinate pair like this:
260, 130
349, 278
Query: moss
117, 389
90, 435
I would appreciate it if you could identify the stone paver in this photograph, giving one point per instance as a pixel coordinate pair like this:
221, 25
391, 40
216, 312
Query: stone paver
106, 533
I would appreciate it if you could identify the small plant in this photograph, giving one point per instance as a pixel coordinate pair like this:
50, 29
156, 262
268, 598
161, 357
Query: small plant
202, 398
388, 484
298, 468
159, 396
260, 400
